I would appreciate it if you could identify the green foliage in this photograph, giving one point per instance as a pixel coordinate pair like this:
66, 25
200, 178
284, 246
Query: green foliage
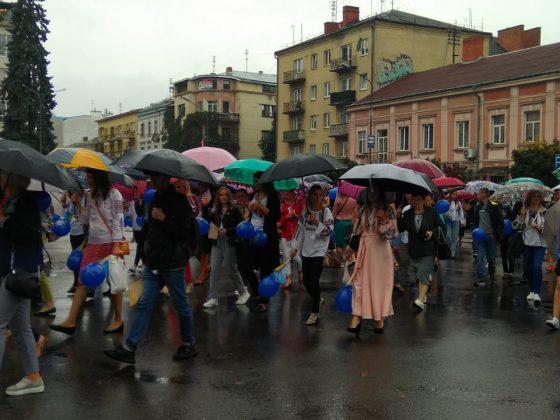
536, 161
435, 161
27, 88
456, 170
267, 144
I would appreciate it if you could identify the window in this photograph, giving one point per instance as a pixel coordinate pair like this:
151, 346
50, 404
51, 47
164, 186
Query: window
227, 85
343, 117
313, 92
382, 146
226, 132
326, 147
298, 65
266, 134
313, 122
225, 107
427, 136
345, 84
4, 39
462, 134
313, 61
327, 90
142, 131
269, 111
326, 120
363, 81
344, 149
181, 110
403, 138
362, 142
346, 53
149, 128
297, 123
498, 129
327, 58
295, 149
532, 125
156, 127
212, 106
298, 95
364, 46
312, 149
269, 89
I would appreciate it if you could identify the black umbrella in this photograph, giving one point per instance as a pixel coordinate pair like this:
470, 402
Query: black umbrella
433, 187
20, 159
388, 177
299, 166
317, 178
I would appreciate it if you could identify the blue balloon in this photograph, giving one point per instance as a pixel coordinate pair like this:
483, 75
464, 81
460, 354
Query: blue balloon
74, 260
344, 299
508, 227
43, 199
140, 221
149, 196
61, 228
479, 234
332, 193
260, 238
268, 287
245, 230
55, 218
442, 206
203, 226
92, 275
127, 221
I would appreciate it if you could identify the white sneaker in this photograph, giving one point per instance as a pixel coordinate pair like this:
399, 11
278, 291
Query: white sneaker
531, 296
536, 299
553, 323
242, 300
419, 304
211, 303
26, 386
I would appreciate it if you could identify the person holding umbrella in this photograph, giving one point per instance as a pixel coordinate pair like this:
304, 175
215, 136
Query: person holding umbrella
454, 219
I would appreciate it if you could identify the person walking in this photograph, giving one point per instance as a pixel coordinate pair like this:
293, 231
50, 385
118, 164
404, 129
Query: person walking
71, 202
454, 220
20, 249
488, 217
167, 231
402, 278
137, 210
205, 203
290, 212
312, 241
508, 259
343, 213
224, 218
104, 216
372, 279
531, 219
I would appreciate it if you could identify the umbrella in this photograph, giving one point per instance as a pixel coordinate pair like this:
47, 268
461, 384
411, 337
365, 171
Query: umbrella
168, 162
433, 188
474, 187
317, 178
446, 183
525, 179
421, 165
389, 177
212, 158
301, 165
517, 191
18, 158
465, 195
242, 171
78, 157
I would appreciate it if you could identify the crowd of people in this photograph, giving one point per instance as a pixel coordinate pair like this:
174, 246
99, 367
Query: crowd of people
386, 242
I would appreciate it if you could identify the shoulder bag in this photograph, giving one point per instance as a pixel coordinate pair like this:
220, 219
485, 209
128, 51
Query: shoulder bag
23, 283
355, 238
443, 250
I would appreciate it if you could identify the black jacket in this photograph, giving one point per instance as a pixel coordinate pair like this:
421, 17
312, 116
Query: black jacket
418, 246
231, 218
496, 218
166, 242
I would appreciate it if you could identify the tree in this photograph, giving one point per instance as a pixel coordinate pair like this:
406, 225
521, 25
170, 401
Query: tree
267, 143
27, 88
536, 161
456, 170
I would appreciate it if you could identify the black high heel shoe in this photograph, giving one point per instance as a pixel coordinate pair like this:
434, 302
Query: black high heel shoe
356, 329
378, 330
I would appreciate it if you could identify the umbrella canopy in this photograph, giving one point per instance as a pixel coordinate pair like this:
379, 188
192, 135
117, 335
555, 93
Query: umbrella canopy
317, 178
299, 166
18, 158
446, 183
421, 165
389, 177
474, 187
518, 191
465, 195
242, 171
78, 157
525, 179
212, 158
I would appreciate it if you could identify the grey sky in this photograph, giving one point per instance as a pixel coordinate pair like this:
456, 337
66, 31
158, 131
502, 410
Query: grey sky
125, 51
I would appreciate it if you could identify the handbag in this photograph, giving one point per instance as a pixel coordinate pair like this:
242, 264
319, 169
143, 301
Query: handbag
354, 242
117, 276
443, 250
23, 283
123, 246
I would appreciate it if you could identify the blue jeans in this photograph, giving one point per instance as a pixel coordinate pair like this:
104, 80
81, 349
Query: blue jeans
533, 257
486, 251
452, 235
175, 282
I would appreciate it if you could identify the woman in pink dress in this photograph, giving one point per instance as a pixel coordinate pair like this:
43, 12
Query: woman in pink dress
372, 280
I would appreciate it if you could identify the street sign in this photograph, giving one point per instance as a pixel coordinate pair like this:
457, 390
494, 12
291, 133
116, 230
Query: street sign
371, 142
556, 161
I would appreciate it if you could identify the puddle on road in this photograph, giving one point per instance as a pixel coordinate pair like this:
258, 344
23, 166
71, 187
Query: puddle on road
145, 376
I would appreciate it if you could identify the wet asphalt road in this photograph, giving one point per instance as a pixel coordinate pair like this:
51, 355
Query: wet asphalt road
472, 354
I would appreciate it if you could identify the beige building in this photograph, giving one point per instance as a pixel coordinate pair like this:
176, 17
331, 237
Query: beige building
117, 134
242, 107
318, 78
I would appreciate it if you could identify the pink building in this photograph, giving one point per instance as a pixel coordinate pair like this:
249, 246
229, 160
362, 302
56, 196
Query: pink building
475, 113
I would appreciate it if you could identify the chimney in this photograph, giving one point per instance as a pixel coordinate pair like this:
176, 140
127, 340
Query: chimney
331, 27
350, 14
517, 38
229, 69
473, 48
260, 72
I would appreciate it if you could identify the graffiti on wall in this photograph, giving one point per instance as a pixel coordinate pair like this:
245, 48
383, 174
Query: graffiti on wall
393, 69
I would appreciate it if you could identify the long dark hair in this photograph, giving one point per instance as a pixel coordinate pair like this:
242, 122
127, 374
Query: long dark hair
311, 191
101, 183
369, 205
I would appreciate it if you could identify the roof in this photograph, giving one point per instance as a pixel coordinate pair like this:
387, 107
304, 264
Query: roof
394, 16
243, 76
116, 116
495, 47
155, 107
531, 62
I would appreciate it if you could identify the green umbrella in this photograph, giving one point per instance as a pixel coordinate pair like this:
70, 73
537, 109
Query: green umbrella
525, 179
242, 171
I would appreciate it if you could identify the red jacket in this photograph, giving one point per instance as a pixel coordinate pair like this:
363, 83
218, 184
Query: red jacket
288, 224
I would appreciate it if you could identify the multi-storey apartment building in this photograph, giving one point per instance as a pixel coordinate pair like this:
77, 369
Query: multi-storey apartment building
151, 125
118, 133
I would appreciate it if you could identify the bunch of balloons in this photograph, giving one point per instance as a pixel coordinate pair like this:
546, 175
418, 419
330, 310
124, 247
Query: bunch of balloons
442, 206
479, 234
268, 286
74, 260
92, 275
61, 227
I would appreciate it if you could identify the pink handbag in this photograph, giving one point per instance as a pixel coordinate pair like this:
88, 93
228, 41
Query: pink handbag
351, 190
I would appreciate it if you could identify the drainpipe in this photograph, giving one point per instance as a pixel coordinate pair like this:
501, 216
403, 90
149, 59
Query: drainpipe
478, 126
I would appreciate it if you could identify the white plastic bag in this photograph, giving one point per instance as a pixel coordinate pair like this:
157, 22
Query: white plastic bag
117, 276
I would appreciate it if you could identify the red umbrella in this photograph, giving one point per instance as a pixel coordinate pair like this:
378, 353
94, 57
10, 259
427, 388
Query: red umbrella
465, 195
421, 165
446, 183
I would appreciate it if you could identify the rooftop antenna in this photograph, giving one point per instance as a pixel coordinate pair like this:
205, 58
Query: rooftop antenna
382, 1
92, 108
470, 18
246, 60
333, 10
392, 4
213, 64
293, 34
120, 107
301, 31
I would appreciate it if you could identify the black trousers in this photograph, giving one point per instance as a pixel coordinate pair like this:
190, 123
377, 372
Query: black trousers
312, 267
139, 238
251, 258
508, 261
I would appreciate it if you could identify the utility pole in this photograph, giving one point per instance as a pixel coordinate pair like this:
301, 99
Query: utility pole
454, 39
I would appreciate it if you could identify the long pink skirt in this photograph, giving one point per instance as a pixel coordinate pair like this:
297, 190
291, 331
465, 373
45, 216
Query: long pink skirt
372, 281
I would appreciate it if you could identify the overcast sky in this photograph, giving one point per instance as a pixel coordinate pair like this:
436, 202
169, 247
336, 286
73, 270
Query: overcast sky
113, 52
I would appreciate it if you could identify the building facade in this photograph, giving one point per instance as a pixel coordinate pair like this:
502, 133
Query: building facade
76, 129
320, 77
151, 125
474, 114
243, 104
117, 134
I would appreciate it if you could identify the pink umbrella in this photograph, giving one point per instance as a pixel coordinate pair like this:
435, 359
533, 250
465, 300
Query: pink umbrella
420, 165
212, 158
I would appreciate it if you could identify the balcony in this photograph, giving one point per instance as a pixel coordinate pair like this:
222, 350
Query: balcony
338, 130
293, 107
294, 76
229, 143
224, 117
341, 65
376, 157
294, 136
346, 97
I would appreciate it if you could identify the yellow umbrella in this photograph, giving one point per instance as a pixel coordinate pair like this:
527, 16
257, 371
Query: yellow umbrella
78, 157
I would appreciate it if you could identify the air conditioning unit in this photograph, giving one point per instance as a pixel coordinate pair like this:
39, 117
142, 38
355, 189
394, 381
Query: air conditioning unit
470, 154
